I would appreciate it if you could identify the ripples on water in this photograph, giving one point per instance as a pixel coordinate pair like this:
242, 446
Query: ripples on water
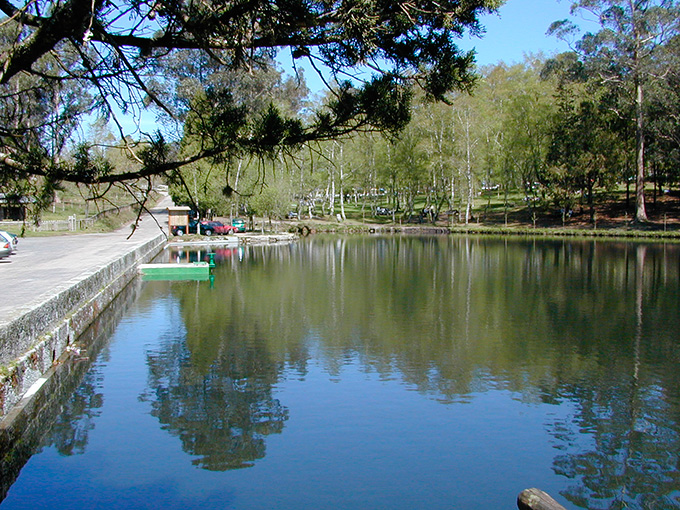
391, 372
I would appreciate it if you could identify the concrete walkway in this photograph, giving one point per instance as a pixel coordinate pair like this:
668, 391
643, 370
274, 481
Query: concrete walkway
53, 288
45, 266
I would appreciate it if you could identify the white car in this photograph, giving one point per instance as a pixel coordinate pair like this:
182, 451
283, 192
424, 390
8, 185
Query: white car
11, 239
5, 248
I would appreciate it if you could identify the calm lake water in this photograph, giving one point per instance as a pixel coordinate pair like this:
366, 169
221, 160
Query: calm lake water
379, 373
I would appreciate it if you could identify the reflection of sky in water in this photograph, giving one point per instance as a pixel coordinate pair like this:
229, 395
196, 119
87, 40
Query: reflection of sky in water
367, 421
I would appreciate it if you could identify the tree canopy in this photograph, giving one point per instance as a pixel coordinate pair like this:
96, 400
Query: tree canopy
66, 61
624, 55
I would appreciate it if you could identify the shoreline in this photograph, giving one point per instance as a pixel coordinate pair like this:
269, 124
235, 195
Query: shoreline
316, 227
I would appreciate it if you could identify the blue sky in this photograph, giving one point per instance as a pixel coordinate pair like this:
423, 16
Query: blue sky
520, 28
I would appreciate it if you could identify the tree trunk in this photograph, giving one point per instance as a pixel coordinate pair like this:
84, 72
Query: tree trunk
331, 195
640, 210
342, 185
468, 172
505, 203
591, 202
238, 197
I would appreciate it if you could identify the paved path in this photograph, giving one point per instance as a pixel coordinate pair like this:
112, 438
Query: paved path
44, 266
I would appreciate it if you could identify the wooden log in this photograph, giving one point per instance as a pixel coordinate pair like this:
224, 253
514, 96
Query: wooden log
536, 499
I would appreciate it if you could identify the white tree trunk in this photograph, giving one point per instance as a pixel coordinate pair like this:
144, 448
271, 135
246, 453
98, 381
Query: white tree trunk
342, 190
468, 171
640, 209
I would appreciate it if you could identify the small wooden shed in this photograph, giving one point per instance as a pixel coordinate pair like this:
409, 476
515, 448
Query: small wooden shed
178, 216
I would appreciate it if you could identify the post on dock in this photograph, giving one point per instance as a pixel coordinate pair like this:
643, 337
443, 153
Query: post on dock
536, 499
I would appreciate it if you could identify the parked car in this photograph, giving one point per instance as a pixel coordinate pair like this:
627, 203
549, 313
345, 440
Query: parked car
12, 239
239, 224
5, 248
180, 230
206, 228
217, 227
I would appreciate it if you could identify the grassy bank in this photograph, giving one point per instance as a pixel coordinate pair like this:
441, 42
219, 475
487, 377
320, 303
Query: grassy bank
492, 215
319, 227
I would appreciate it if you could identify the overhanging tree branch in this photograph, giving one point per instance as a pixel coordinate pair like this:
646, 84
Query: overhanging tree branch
68, 20
64, 60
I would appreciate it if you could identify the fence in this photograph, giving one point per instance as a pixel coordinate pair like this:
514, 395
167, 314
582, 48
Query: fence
72, 224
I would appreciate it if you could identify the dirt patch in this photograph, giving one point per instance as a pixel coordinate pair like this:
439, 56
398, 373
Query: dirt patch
611, 213
663, 213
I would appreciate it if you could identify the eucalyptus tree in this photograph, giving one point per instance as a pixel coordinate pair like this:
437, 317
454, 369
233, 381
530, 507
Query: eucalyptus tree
365, 154
448, 147
337, 168
622, 54
582, 153
117, 52
436, 122
491, 97
528, 114
271, 200
409, 167
494, 95
307, 179
356, 168
326, 166
389, 173
467, 151
664, 116
585, 149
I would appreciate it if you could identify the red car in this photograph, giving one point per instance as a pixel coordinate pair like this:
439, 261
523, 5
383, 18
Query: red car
217, 227
206, 228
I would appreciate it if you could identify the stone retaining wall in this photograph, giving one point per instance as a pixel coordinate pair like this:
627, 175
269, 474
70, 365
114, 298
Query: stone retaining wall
41, 336
24, 427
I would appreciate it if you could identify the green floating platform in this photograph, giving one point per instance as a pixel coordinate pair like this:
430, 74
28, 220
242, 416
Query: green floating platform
187, 271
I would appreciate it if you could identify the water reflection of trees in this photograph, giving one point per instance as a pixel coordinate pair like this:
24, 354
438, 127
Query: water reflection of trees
631, 458
223, 410
631, 413
65, 413
593, 323
70, 432
82, 395
62, 420
410, 304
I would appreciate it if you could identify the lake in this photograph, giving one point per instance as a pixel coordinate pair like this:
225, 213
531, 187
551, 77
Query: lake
378, 373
